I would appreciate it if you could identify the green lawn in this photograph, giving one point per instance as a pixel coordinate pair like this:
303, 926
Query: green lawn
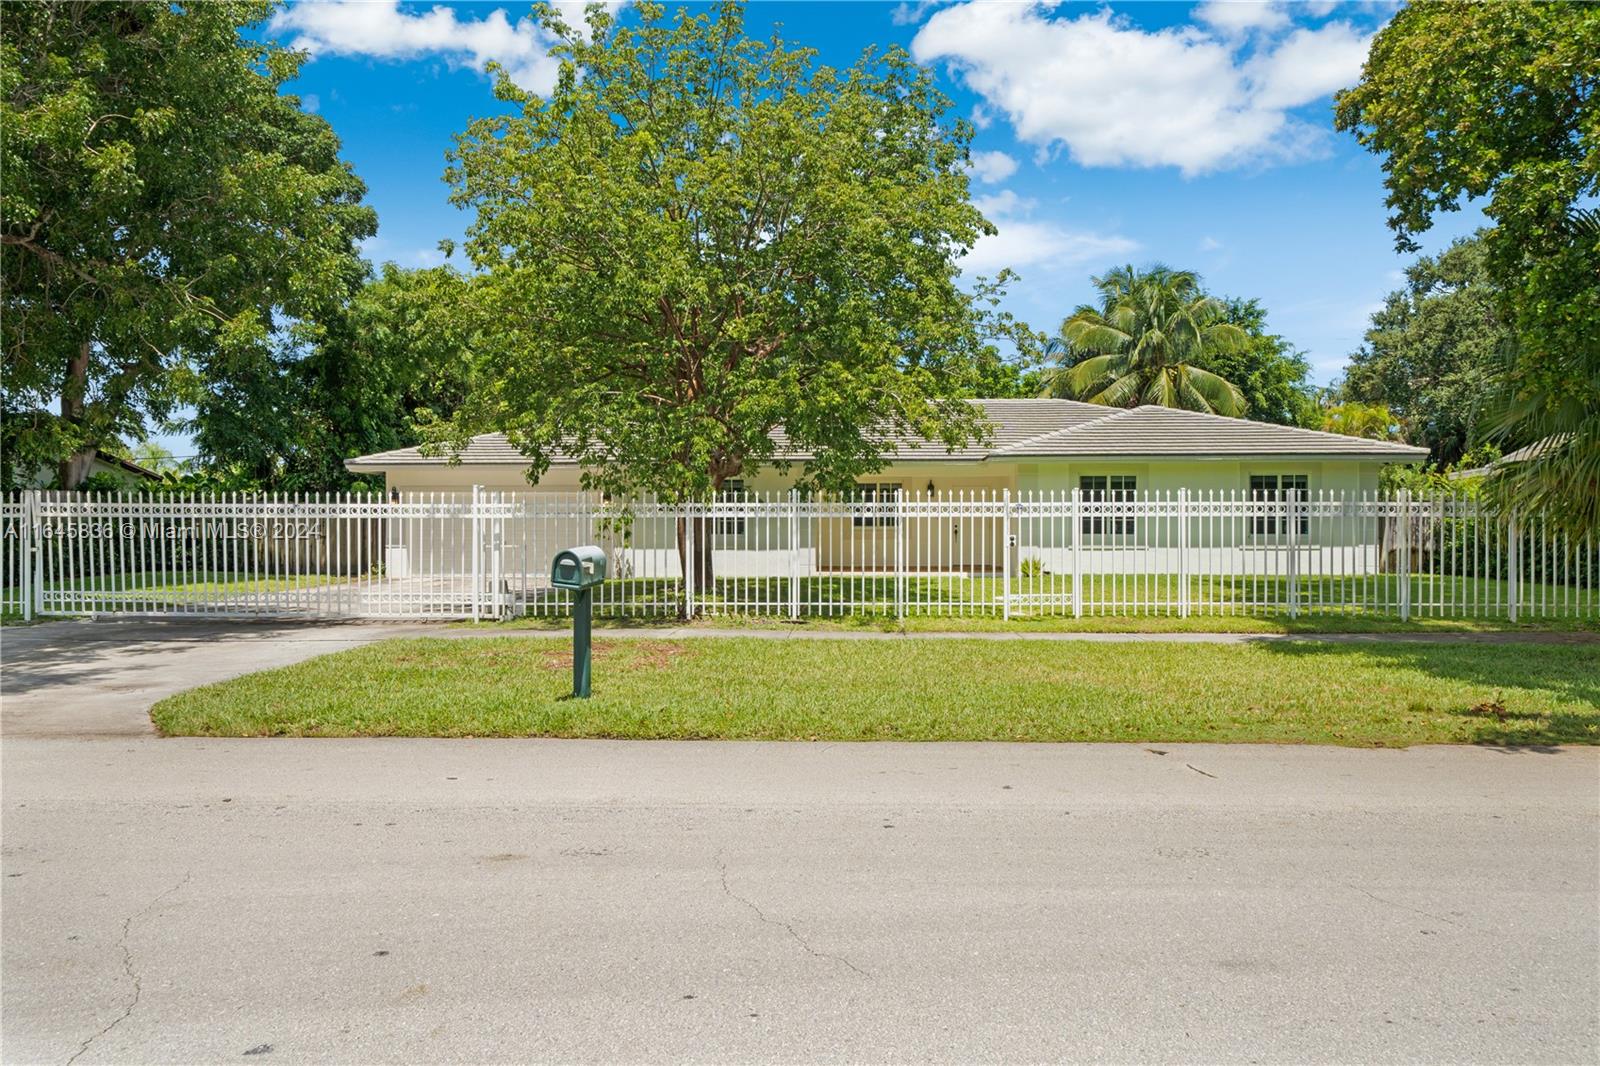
1373, 694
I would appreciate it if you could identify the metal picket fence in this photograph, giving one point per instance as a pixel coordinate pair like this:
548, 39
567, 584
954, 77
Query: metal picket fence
783, 555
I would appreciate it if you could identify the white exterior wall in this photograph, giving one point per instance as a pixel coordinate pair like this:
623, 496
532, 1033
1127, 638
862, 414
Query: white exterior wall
963, 544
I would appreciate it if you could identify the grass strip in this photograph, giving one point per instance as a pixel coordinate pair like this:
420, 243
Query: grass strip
1385, 694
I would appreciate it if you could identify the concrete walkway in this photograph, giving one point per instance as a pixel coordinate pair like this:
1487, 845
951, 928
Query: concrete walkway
800, 632
94, 678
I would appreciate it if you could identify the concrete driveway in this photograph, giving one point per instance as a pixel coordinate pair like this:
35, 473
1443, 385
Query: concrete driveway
97, 679
509, 901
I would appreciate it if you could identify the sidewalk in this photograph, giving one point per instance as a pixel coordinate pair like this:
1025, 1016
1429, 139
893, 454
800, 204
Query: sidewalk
802, 633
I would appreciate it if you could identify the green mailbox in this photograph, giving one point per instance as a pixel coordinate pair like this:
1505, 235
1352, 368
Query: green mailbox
580, 570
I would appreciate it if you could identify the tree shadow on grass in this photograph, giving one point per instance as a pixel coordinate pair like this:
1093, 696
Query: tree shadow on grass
1568, 673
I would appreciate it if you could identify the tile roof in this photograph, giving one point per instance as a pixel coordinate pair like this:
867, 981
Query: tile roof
1164, 431
485, 449
1027, 429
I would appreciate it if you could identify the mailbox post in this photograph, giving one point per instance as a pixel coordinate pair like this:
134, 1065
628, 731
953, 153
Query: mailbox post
580, 570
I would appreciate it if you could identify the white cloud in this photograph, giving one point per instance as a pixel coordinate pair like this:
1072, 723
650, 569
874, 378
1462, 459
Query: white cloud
1238, 17
1003, 204
1113, 94
909, 14
1023, 241
378, 28
1210, 244
992, 167
1308, 65
311, 102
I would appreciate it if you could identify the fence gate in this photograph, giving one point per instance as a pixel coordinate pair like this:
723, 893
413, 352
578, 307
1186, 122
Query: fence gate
236, 555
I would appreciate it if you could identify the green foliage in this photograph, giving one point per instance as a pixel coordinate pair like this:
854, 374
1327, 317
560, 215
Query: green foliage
1434, 351
1495, 101
355, 382
31, 440
698, 237
166, 213
1551, 395
1148, 342
103, 481
1271, 374
155, 458
1371, 420
1500, 103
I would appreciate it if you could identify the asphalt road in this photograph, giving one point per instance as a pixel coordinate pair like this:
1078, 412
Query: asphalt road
282, 901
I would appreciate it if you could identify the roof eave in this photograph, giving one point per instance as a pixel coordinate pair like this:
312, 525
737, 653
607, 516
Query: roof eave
1385, 457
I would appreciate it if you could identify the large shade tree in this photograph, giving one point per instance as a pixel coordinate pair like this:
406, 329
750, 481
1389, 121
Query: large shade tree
1148, 342
697, 237
166, 211
356, 381
1433, 352
1500, 104
1270, 372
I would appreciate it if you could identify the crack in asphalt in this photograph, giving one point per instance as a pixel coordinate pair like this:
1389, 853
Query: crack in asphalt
1414, 910
127, 967
781, 924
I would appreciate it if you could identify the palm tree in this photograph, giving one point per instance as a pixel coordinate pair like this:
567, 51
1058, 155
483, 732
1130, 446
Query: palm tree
1144, 344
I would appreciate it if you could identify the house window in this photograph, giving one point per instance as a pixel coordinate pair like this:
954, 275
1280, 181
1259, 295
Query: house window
1108, 488
732, 491
1272, 488
884, 494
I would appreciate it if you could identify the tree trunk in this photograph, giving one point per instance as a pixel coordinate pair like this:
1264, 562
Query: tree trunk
698, 572
705, 580
74, 468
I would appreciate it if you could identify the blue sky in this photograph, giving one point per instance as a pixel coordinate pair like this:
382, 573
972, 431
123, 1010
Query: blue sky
1199, 135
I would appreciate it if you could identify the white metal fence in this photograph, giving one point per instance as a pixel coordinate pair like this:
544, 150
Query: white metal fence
486, 554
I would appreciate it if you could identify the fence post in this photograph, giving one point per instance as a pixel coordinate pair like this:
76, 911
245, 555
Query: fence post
1291, 529
794, 555
1183, 553
1077, 557
477, 550
34, 526
1513, 563
1005, 556
26, 548
900, 556
1403, 498
497, 535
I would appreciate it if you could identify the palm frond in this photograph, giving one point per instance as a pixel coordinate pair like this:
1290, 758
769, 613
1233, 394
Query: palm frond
1094, 334
1117, 392
1221, 395
1087, 377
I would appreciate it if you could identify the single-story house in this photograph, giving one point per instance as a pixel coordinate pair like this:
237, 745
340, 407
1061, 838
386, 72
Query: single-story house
1035, 447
